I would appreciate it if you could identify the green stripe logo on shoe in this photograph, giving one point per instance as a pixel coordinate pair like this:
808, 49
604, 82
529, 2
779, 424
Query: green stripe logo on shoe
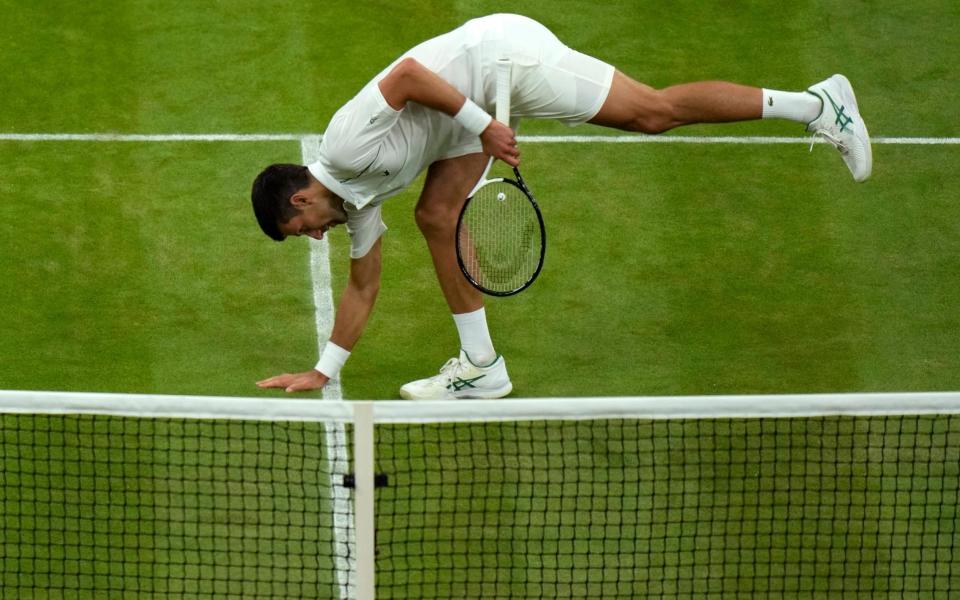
843, 119
460, 384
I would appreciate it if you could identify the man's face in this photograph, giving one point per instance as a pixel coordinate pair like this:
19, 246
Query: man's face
316, 215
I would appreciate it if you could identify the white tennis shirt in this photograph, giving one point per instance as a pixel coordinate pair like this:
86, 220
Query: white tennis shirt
371, 152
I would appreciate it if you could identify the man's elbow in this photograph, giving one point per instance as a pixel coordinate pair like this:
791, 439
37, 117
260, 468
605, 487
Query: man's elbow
407, 68
396, 86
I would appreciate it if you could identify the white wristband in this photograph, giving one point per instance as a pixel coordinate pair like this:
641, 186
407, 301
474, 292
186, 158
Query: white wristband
332, 360
473, 118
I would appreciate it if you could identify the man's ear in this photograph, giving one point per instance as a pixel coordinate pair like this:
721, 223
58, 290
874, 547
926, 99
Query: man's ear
301, 199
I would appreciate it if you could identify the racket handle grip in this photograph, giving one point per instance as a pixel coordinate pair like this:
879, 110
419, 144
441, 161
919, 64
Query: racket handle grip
504, 66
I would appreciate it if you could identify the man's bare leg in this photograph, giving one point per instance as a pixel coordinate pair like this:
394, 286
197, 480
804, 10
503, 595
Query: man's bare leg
446, 188
634, 106
483, 374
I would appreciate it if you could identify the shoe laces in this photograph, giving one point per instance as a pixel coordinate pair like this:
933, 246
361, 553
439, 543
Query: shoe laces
829, 137
451, 369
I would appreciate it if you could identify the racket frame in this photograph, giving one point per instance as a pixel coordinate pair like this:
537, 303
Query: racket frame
522, 186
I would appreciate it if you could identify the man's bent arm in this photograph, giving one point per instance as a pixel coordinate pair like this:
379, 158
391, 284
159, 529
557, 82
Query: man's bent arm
410, 81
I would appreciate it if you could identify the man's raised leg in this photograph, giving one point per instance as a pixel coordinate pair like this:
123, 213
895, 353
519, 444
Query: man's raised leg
634, 106
828, 109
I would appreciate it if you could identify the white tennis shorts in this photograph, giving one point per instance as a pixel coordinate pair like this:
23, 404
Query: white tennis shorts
551, 80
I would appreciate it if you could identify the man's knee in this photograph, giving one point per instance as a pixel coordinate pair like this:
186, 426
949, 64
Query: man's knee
633, 106
653, 115
435, 218
444, 192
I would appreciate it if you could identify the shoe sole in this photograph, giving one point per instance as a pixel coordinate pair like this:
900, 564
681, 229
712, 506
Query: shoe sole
860, 126
485, 394
472, 394
848, 97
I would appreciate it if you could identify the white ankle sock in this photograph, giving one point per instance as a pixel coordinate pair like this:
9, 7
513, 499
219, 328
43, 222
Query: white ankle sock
475, 337
802, 107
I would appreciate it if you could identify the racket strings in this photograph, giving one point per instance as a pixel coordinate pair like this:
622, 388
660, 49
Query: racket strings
502, 237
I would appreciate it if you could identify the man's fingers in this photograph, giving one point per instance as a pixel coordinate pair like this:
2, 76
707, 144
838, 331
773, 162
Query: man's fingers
269, 382
295, 382
511, 154
302, 385
276, 381
311, 380
511, 158
501, 142
299, 385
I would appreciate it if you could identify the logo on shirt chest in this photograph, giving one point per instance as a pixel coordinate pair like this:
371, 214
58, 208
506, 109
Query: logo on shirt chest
369, 168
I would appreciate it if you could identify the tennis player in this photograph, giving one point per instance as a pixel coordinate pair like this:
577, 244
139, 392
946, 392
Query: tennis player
430, 110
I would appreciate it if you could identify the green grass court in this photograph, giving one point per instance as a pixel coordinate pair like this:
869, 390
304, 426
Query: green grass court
672, 269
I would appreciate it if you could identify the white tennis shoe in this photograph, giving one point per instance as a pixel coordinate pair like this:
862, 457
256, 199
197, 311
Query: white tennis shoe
460, 378
840, 124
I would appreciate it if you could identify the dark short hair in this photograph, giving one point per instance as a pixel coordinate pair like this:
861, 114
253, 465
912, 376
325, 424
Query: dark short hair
271, 194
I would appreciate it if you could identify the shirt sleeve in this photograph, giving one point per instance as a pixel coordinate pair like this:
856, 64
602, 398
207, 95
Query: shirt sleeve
365, 226
354, 137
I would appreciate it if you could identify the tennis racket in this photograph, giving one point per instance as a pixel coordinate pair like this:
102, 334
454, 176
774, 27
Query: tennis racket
501, 240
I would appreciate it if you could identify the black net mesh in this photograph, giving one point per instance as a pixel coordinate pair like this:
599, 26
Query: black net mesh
119, 507
116, 507
852, 507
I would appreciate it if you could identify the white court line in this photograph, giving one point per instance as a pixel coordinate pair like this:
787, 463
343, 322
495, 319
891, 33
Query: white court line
336, 446
682, 139
530, 139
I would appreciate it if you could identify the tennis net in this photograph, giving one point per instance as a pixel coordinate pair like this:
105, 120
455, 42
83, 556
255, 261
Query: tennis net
715, 497
161, 497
